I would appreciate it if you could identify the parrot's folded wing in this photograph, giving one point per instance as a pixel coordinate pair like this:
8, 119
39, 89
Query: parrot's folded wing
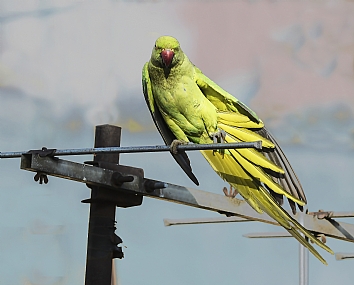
181, 157
228, 108
221, 99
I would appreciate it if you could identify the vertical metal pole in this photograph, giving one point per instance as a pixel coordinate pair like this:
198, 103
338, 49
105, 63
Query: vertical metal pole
102, 216
114, 274
303, 259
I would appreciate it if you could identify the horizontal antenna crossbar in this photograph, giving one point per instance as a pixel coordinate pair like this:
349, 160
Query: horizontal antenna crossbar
135, 149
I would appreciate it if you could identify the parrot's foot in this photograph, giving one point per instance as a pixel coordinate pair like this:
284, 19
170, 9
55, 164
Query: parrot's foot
231, 193
175, 144
218, 136
322, 214
320, 237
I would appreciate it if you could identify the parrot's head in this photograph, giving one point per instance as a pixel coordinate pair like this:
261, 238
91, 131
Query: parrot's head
166, 53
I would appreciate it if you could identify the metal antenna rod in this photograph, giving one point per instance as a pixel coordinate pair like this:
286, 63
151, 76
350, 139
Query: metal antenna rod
303, 259
134, 149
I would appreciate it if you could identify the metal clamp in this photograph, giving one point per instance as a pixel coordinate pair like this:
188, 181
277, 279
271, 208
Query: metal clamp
43, 152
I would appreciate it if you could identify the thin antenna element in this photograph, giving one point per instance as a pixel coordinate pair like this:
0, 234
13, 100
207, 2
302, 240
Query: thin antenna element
134, 149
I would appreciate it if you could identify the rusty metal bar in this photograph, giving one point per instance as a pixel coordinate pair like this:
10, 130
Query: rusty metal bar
93, 175
174, 193
136, 149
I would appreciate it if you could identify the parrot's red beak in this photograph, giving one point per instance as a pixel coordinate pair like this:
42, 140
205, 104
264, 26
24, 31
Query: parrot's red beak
167, 56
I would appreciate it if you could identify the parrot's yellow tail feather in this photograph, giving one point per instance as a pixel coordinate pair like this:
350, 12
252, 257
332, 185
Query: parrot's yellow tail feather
253, 162
306, 244
256, 157
224, 166
233, 170
295, 223
257, 172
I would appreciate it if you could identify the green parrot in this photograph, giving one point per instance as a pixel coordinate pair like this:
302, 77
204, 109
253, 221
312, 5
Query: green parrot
187, 106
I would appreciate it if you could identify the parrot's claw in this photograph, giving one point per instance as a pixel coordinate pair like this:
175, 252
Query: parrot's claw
320, 237
218, 136
175, 144
231, 193
322, 214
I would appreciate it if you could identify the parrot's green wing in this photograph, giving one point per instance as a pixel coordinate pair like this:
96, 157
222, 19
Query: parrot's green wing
221, 99
225, 102
181, 158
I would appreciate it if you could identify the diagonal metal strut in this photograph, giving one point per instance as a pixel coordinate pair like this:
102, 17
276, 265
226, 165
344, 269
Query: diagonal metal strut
123, 179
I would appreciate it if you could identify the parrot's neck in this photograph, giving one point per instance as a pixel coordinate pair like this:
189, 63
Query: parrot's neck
167, 77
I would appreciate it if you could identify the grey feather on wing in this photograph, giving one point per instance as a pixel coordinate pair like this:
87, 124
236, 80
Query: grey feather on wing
289, 181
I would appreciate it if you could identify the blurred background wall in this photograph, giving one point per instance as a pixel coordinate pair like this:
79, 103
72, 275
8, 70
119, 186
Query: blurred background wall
66, 66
